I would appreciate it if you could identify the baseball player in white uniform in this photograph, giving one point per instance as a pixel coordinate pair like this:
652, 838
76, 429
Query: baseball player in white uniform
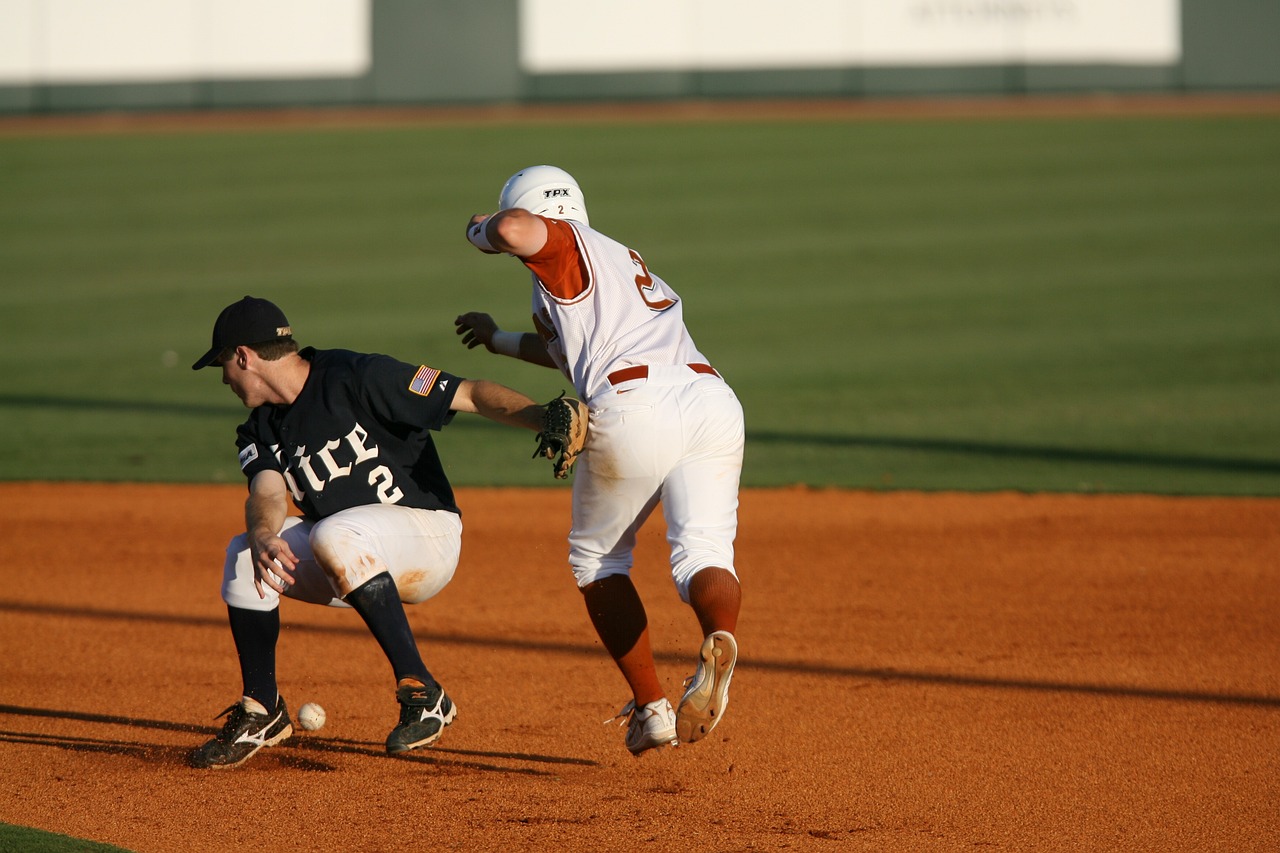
665, 428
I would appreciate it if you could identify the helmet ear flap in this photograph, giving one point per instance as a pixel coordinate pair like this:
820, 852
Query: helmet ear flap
547, 191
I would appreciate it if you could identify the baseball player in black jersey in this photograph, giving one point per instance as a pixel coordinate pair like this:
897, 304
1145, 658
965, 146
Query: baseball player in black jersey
346, 436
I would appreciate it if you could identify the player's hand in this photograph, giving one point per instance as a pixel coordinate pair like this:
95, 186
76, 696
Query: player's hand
476, 329
273, 565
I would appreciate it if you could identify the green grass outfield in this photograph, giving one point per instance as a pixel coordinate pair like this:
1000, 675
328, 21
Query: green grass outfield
1035, 304
19, 839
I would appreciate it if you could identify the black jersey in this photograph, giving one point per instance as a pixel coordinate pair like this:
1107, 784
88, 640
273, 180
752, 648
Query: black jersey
357, 434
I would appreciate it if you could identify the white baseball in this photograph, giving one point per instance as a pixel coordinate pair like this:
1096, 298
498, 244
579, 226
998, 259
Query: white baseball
311, 717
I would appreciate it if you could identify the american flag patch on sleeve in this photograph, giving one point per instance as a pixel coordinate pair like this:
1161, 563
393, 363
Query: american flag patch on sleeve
423, 380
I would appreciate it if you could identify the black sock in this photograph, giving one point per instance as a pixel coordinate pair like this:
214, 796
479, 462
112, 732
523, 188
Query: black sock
378, 603
256, 633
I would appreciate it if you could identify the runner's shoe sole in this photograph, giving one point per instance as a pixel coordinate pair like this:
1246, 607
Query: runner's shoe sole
706, 694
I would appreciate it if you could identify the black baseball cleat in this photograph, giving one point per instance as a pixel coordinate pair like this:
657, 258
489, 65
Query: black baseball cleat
424, 712
245, 732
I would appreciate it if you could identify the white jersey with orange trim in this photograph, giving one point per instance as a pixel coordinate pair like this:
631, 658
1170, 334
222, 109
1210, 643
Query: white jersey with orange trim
665, 426
599, 308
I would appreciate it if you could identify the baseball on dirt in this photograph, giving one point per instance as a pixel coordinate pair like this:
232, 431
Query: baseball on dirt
311, 717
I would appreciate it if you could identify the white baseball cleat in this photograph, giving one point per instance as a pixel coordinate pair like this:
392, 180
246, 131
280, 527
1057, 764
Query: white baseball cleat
648, 727
706, 694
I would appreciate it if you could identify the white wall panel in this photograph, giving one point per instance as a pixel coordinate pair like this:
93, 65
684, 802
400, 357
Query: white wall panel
124, 41
578, 36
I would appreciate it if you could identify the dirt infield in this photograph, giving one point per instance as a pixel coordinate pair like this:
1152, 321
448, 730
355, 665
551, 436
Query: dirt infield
937, 672
691, 110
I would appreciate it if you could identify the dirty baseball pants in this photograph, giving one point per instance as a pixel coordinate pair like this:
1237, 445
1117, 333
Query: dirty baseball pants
361, 548
419, 548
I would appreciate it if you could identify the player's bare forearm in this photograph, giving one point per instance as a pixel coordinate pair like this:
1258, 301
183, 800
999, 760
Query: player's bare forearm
479, 329
267, 505
534, 350
265, 512
497, 403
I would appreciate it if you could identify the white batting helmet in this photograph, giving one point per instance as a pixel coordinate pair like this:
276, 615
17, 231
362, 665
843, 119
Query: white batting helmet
546, 190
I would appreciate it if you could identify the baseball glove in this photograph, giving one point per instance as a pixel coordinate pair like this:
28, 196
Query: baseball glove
564, 434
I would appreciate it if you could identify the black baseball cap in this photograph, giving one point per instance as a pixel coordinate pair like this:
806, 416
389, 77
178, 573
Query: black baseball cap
249, 321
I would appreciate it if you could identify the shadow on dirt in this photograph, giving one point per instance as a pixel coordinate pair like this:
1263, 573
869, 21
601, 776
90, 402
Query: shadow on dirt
755, 663
289, 754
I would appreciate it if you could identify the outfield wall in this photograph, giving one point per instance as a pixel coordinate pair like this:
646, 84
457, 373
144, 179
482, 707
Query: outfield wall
86, 55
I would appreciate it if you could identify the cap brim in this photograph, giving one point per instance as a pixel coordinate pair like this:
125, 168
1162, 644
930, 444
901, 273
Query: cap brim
207, 359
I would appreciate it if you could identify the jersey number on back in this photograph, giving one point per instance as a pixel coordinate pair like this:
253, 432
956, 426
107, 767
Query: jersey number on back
648, 287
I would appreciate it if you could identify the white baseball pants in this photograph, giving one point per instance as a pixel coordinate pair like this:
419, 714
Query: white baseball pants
676, 438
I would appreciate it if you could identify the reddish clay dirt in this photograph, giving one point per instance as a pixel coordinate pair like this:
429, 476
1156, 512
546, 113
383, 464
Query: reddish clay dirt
693, 110
919, 671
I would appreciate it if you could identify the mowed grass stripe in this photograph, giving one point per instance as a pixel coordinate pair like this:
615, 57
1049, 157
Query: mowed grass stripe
1057, 304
